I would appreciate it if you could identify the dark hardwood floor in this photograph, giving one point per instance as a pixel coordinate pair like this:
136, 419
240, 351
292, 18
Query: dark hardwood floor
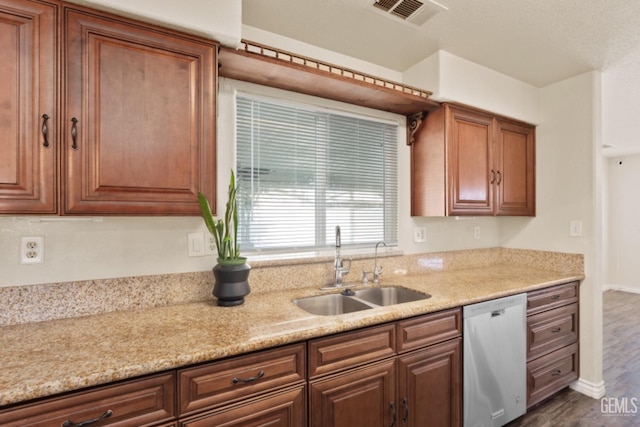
621, 364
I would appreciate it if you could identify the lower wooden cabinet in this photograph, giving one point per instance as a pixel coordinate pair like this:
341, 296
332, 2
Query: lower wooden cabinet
552, 340
362, 397
412, 381
143, 402
284, 408
429, 386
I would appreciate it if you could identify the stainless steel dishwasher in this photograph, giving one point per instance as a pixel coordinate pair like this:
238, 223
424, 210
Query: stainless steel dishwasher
494, 379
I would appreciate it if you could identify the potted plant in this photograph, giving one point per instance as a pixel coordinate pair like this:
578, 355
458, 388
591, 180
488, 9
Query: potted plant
232, 271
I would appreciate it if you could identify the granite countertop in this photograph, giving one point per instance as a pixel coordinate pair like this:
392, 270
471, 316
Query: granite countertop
45, 358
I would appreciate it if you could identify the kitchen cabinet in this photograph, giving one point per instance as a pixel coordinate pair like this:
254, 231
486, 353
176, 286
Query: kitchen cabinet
29, 114
381, 376
469, 162
149, 401
246, 390
136, 130
139, 117
281, 409
552, 340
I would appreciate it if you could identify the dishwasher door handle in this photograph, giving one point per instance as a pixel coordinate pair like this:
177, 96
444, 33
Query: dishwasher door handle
497, 313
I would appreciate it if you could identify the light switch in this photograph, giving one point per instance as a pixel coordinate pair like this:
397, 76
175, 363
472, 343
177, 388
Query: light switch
196, 244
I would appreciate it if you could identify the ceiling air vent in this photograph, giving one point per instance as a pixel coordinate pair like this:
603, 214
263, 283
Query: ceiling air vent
414, 12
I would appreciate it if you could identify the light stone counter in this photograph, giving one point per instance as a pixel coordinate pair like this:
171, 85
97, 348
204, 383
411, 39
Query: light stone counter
45, 358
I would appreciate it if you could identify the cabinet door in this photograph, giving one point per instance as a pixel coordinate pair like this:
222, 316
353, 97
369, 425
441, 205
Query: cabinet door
139, 129
515, 160
28, 142
470, 150
282, 409
358, 398
429, 386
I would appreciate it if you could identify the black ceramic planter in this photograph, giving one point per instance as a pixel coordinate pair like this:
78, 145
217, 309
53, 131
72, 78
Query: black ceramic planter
232, 283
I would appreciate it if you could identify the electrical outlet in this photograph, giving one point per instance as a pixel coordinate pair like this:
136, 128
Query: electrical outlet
420, 234
209, 244
32, 250
476, 232
575, 228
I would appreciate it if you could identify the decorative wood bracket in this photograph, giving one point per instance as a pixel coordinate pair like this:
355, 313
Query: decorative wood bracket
414, 122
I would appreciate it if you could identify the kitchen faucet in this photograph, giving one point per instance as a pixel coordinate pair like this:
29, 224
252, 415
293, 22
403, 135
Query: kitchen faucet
338, 264
377, 271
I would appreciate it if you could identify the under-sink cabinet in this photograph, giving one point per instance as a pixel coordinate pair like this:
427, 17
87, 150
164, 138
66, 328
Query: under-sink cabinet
552, 340
466, 161
406, 373
108, 116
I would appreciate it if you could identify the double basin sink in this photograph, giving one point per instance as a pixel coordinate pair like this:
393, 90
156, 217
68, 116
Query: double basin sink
364, 299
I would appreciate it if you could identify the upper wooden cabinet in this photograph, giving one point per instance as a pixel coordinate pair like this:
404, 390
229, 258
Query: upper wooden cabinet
28, 113
141, 104
469, 162
136, 131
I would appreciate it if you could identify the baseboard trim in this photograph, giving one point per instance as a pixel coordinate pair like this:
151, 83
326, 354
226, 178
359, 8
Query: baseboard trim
593, 390
622, 288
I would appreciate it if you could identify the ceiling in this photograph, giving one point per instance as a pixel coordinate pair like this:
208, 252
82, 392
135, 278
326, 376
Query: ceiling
539, 42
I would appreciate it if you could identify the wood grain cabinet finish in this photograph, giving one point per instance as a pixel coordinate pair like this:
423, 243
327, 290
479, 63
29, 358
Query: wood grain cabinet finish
145, 402
406, 373
284, 408
139, 117
470, 162
342, 351
430, 386
553, 330
221, 383
28, 113
361, 397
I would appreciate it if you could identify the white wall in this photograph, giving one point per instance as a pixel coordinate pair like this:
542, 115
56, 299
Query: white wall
624, 238
568, 176
219, 20
456, 79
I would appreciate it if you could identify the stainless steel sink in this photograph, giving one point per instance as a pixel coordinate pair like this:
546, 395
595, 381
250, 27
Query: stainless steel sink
331, 305
390, 295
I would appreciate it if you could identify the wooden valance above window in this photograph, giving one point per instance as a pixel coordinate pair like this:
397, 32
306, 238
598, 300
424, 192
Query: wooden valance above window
272, 67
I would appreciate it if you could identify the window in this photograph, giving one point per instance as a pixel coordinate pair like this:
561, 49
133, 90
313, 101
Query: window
303, 170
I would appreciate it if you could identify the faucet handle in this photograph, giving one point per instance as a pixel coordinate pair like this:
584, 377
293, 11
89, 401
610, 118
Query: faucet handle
376, 274
365, 277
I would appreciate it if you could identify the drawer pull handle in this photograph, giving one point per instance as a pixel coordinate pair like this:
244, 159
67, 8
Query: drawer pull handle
493, 176
393, 414
237, 380
74, 133
556, 330
45, 131
405, 417
556, 373
555, 297
104, 416
499, 178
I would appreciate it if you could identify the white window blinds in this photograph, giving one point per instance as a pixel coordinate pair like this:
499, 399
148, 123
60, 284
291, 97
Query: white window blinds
302, 171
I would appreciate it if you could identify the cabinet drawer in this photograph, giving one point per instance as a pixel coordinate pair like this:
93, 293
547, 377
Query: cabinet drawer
551, 330
350, 349
551, 373
556, 296
430, 329
241, 377
136, 403
284, 408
